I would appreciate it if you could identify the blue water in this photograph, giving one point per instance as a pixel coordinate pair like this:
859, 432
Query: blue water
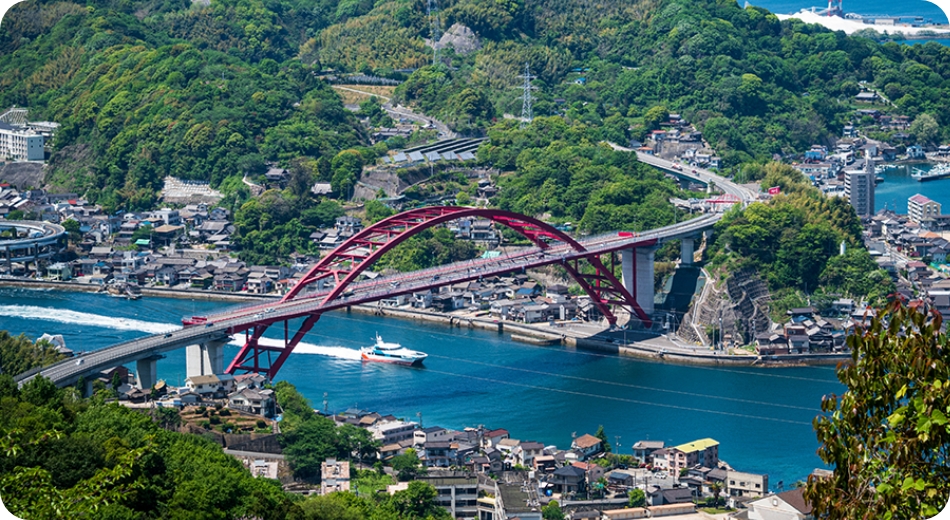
898, 186
868, 7
761, 417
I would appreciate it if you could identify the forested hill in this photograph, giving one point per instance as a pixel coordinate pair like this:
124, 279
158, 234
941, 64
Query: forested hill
148, 89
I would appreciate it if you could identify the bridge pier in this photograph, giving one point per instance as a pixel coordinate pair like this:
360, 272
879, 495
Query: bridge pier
204, 359
637, 269
146, 372
686, 251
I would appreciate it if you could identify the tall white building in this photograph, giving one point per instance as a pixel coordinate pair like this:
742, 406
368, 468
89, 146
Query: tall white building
20, 144
859, 189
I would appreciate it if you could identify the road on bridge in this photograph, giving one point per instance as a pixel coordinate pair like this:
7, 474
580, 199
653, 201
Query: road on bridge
223, 325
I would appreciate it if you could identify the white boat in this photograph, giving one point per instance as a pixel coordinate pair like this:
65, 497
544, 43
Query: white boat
391, 353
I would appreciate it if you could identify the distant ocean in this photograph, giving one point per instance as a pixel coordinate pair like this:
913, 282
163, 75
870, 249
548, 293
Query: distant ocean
875, 7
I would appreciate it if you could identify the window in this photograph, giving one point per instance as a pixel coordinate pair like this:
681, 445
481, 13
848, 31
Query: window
732, 482
758, 485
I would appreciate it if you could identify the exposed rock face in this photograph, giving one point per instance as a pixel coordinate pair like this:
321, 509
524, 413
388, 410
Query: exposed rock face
460, 38
23, 175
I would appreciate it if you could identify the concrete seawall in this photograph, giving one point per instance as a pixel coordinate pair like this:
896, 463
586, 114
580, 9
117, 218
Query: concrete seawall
517, 331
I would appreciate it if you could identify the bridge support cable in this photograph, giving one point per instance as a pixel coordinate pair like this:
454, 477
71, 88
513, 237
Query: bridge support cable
327, 281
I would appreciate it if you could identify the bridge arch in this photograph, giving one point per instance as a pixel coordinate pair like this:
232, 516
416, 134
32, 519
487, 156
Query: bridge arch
349, 260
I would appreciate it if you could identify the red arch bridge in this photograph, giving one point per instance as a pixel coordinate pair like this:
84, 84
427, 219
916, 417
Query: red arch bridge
337, 281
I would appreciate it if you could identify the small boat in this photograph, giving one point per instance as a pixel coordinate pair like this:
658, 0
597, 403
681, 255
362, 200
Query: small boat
391, 353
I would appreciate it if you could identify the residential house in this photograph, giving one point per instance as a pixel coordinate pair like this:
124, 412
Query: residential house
254, 400
210, 384
391, 432
739, 484
587, 445
790, 505
663, 497
334, 476
431, 434
643, 450
439, 454
568, 479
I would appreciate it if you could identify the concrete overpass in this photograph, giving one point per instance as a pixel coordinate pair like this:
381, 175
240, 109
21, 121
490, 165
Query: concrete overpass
336, 282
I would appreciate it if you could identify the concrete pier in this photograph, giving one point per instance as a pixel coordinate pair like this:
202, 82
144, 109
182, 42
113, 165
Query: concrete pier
637, 269
686, 251
204, 359
146, 372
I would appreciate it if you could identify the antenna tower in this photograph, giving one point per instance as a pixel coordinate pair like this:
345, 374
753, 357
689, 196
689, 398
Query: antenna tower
526, 97
432, 8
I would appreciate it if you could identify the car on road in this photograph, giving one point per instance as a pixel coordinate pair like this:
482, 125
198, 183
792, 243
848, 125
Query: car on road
80, 361
168, 335
268, 310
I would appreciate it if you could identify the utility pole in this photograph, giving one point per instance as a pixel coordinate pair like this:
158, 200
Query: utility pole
526, 97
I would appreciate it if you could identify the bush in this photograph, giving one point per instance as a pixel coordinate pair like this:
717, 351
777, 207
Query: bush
202, 409
261, 423
215, 419
205, 424
217, 406
225, 412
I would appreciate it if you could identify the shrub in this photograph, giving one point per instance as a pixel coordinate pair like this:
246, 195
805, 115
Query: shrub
225, 412
261, 423
215, 419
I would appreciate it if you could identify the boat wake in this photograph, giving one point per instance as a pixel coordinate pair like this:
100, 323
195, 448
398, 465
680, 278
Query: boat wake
83, 318
336, 352
307, 348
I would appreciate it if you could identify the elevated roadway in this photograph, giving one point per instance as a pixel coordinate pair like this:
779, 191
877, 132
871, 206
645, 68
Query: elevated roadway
42, 240
317, 298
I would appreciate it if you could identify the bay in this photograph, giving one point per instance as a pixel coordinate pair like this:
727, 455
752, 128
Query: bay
921, 8
761, 417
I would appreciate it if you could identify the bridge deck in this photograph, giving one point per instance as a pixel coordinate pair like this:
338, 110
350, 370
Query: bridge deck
241, 319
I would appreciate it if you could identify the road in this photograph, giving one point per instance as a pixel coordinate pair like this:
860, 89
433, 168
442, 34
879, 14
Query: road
398, 112
223, 325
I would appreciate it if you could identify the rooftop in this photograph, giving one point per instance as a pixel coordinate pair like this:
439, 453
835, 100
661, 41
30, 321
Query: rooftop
697, 445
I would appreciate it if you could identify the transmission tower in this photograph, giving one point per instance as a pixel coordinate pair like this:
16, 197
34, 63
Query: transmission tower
526, 97
432, 11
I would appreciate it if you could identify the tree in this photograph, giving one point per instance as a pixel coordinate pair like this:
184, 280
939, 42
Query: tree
888, 436
716, 488
417, 501
637, 498
552, 511
925, 129
116, 381
407, 466
603, 438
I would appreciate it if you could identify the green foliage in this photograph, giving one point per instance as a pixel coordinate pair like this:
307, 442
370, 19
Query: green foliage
429, 248
888, 436
600, 434
64, 457
407, 465
274, 225
18, 354
142, 92
794, 241
637, 498
552, 511
308, 439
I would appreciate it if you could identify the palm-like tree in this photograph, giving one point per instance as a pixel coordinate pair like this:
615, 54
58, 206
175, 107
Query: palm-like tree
716, 487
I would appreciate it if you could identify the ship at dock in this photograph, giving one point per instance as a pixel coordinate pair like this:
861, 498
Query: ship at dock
937, 172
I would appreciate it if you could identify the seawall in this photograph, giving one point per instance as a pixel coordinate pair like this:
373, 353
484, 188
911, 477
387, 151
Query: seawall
517, 331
